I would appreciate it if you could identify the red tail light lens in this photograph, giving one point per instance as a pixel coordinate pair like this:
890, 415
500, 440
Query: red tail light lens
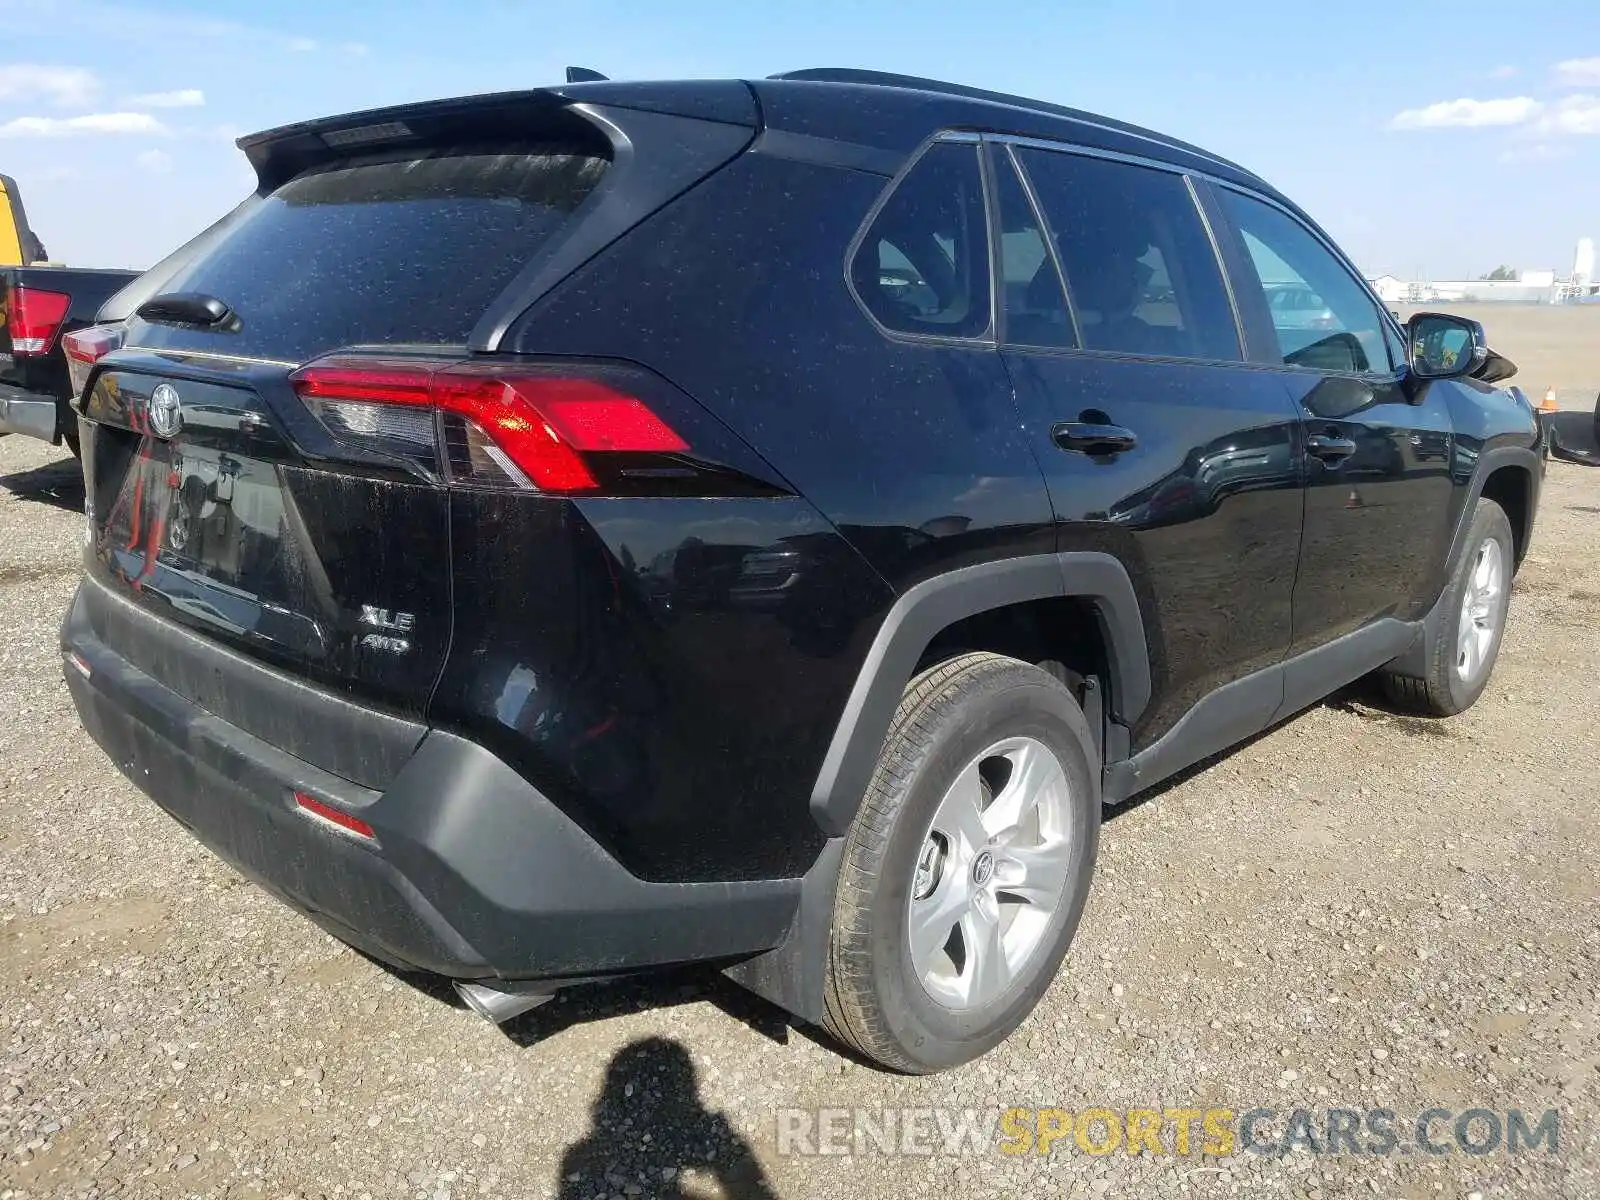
495, 424
35, 318
85, 347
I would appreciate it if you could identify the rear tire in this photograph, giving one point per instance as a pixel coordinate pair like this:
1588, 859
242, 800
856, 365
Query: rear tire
1461, 658
966, 869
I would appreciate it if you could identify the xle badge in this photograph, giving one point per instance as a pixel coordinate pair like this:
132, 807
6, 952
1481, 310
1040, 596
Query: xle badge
396, 625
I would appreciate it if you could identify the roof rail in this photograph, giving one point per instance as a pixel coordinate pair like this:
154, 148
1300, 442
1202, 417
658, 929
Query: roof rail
939, 86
917, 83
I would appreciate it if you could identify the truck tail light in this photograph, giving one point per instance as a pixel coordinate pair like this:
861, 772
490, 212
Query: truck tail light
551, 427
84, 348
34, 318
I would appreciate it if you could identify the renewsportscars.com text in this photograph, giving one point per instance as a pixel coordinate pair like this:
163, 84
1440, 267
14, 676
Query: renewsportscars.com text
1176, 1131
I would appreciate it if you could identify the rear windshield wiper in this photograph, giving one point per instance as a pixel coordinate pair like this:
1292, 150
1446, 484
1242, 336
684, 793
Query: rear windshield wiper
185, 308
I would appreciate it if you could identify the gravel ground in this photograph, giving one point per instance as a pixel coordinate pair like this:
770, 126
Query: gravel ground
1357, 910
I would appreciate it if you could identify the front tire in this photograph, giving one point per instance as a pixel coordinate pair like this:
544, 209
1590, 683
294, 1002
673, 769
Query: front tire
967, 868
1461, 658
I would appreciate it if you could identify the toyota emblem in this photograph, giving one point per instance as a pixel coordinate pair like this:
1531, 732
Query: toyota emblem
166, 411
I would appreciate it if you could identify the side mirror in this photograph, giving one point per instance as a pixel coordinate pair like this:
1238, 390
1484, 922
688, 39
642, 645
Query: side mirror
1444, 346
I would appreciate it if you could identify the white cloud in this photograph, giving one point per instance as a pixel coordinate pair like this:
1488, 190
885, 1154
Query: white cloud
67, 87
185, 98
1507, 72
1513, 110
154, 162
93, 123
1578, 72
302, 45
1574, 115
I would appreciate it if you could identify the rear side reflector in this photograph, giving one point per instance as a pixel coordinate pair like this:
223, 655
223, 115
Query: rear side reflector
490, 424
84, 348
34, 318
334, 816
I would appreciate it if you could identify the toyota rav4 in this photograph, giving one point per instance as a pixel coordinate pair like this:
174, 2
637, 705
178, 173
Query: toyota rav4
553, 535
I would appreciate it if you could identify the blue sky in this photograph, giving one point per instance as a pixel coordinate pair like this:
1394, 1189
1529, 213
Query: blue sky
1436, 139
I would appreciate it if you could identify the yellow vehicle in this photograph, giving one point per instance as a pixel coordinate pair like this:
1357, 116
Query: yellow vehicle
18, 245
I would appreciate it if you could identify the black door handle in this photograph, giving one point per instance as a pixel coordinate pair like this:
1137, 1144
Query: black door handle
1330, 448
1093, 438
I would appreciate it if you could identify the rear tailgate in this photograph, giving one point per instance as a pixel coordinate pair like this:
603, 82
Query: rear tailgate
313, 550
224, 527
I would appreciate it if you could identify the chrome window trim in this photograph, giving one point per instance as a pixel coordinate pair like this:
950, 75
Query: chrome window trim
1234, 185
990, 338
211, 356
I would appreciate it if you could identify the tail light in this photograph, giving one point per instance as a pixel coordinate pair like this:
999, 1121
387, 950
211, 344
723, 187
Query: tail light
559, 428
35, 317
84, 348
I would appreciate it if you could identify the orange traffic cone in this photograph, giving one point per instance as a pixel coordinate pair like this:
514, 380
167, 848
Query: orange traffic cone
1548, 404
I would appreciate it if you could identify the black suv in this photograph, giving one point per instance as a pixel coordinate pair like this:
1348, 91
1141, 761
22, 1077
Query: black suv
552, 535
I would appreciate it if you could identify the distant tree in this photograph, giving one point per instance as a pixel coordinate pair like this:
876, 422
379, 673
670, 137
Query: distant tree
1501, 274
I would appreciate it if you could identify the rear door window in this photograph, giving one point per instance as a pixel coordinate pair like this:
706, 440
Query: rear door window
922, 266
1139, 264
388, 251
1034, 303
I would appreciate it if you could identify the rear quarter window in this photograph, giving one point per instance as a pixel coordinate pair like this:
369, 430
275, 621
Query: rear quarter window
387, 251
922, 267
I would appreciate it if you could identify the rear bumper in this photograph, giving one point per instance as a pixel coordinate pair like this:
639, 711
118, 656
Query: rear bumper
472, 872
27, 413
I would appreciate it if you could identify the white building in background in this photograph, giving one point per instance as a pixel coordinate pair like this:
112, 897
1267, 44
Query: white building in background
1529, 287
1390, 290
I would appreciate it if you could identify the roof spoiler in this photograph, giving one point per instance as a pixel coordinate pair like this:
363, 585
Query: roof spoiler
279, 154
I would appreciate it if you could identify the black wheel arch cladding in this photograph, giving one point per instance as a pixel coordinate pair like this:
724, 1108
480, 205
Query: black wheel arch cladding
925, 610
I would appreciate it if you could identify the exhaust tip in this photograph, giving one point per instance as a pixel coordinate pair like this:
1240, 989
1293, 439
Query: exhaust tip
498, 1007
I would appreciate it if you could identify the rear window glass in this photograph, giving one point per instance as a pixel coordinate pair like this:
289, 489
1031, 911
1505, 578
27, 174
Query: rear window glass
391, 251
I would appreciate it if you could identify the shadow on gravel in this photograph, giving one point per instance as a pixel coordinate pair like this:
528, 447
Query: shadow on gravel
57, 483
649, 1130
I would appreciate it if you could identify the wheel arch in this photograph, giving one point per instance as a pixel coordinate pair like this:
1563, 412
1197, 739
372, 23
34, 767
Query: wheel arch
1513, 472
923, 613
791, 975
1511, 486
